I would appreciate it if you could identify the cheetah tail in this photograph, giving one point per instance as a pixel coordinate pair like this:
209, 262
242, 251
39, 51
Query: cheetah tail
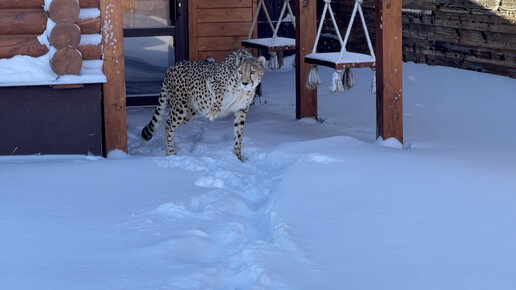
159, 113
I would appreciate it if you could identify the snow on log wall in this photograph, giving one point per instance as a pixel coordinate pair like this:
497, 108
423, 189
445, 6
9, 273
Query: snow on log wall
20, 24
477, 35
25, 30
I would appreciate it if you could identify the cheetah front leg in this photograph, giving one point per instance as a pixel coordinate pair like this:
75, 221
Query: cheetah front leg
217, 102
238, 129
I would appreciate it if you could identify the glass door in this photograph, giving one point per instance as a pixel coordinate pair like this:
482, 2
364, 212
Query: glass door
154, 38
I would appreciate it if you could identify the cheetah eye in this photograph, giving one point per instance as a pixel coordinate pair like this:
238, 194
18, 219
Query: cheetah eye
240, 72
252, 72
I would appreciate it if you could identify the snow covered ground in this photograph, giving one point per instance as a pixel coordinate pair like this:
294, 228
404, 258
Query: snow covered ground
316, 205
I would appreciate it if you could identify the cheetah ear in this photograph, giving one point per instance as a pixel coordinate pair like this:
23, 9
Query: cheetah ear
261, 61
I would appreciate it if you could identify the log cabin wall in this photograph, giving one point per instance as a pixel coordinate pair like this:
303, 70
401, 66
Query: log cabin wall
217, 27
57, 118
477, 35
21, 22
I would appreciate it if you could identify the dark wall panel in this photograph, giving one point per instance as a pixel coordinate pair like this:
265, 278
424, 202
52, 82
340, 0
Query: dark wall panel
44, 120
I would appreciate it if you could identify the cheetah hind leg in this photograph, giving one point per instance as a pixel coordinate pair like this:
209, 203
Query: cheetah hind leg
177, 117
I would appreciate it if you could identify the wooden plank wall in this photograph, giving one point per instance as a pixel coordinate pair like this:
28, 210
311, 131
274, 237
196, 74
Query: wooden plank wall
217, 27
22, 21
477, 35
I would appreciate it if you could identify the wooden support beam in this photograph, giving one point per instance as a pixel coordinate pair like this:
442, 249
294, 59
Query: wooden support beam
208, 4
12, 45
389, 55
306, 30
89, 3
21, 4
29, 21
90, 51
89, 25
115, 124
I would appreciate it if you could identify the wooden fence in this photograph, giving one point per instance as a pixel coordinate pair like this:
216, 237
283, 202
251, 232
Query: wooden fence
477, 35
21, 22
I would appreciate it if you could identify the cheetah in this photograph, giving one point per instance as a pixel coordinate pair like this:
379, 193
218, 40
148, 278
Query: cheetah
210, 89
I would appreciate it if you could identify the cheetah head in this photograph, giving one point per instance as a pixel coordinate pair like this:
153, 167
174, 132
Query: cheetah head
250, 72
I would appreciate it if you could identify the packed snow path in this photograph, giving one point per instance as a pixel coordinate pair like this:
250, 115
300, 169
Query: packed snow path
227, 229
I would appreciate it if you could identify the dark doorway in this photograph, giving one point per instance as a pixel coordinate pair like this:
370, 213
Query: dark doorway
155, 37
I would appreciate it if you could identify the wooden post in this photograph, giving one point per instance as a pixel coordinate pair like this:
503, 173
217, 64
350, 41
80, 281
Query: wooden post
115, 128
389, 97
306, 30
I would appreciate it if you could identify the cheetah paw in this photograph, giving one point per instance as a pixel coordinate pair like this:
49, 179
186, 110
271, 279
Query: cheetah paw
238, 155
212, 115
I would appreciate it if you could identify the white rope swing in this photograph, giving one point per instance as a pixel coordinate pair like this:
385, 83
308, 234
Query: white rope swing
343, 60
275, 45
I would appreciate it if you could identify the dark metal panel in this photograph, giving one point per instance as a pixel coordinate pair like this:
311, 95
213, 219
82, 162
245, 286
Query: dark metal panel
149, 31
181, 25
143, 100
44, 120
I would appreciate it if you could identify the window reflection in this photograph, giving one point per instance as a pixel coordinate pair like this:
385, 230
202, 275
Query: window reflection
146, 13
146, 60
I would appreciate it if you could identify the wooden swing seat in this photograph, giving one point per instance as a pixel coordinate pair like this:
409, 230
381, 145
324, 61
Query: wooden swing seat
342, 59
274, 43
279, 44
349, 60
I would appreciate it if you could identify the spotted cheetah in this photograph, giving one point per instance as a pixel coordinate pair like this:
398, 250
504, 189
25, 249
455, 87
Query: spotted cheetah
210, 89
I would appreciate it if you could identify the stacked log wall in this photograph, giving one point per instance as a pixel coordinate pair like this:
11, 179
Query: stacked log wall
21, 22
477, 35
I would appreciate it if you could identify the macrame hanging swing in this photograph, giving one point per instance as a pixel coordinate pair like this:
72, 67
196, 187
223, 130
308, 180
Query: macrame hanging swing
341, 61
274, 45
